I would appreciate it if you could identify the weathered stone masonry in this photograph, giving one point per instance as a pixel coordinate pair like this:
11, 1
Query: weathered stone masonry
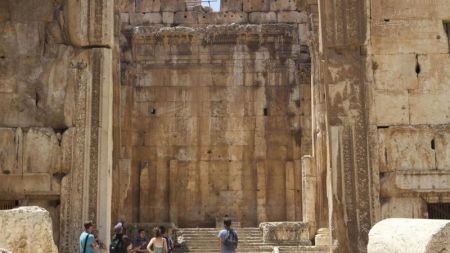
331, 112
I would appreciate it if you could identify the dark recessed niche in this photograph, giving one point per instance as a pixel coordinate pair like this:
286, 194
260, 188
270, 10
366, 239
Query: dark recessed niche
432, 144
265, 112
152, 111
439, 211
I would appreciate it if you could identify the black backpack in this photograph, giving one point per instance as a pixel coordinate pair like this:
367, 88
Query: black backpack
231, 240
117, 245
169, 242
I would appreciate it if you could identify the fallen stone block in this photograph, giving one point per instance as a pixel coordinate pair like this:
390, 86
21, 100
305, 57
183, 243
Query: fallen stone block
27, 229
286, 232
409, 236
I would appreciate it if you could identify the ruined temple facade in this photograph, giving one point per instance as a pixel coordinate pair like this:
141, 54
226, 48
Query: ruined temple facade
336, 113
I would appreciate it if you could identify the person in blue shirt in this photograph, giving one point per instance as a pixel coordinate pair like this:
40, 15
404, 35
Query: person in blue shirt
88, 243
228, 239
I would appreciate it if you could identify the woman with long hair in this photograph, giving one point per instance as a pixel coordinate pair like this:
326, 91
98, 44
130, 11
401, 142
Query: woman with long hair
157, 244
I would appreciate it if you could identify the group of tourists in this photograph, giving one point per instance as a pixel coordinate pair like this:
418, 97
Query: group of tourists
121, 243
160, 243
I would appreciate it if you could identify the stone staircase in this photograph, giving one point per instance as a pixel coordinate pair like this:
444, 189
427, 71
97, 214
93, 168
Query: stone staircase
204, 240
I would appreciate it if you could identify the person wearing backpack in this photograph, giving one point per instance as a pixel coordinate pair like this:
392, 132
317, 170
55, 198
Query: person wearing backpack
168, 239
87, 239
228, 238
119, 242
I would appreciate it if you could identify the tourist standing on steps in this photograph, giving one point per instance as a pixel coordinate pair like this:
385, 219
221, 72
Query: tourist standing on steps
157, 244
87, 239
140, 244
119, 242
228, 238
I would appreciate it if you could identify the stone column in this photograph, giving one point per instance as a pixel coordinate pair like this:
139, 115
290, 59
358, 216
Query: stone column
87, 189
261, 191
309, 194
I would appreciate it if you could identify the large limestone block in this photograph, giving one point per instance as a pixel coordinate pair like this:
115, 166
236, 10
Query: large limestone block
433, 74
391, 107
423, 181
429, 107
406, 149
9, 150
410, 9
409, 36
41, 151
403, 208
395, 72
232, 5
27, 229
285, 232
256, 5
90, 22
21, 39
25, 11
409, 236
442, 141
29, 183
37, 90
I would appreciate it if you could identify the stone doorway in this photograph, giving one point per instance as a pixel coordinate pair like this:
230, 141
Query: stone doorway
212, 123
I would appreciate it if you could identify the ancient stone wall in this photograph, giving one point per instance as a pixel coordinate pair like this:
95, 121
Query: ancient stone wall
409, 105
214, 119
55, 110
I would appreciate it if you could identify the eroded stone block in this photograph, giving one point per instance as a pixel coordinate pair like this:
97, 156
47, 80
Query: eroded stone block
403, 208
395, 72
391, 107
283, 5
433, 75
409, 36
423, 181
90, 28
409, 235
232, 5
410, 9
406, 149
429, 107
256, 5
35, 227
41, 151
148, 5
9, 150
285, 232
262, 17
292, 17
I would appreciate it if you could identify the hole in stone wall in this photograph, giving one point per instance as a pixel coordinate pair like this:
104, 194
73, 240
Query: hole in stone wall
265, 112
417, 65
386, 20
432, 144
447, 31
54, 203
381, 127
61, 130
439, 211
152, 111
